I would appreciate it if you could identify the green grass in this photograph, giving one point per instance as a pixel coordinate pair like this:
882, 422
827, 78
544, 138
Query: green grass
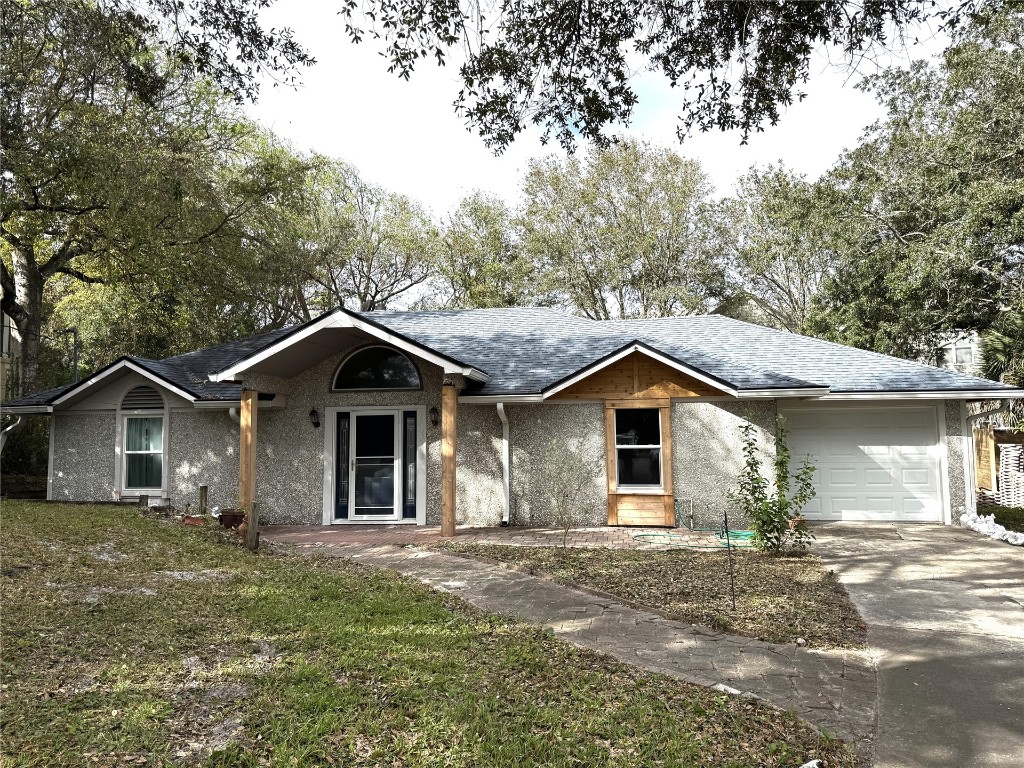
129, 640
1011, 518
779, 599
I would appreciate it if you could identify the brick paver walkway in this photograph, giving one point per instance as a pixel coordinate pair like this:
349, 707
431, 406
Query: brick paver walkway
833, 690
515, 536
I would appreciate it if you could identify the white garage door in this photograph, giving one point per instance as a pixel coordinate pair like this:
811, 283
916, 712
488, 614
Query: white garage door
872, 464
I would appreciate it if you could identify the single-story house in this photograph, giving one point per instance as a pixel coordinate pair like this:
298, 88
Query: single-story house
372, 417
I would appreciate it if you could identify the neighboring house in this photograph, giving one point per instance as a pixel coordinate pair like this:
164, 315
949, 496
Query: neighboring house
961, 353
348, 419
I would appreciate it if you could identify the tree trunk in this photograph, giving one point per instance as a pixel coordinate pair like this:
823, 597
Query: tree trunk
28, 297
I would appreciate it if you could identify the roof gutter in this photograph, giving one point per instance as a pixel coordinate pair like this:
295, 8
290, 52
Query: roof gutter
954, 394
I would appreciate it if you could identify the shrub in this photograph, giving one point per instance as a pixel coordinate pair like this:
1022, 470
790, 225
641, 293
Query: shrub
774, 512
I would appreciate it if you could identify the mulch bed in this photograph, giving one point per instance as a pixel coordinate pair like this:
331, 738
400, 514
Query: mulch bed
778, 598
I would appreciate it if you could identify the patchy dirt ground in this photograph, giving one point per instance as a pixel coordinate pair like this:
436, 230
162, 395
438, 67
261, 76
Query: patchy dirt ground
779, 599
136, 641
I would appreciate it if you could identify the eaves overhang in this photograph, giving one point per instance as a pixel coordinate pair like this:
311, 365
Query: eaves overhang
344, 318
713, 381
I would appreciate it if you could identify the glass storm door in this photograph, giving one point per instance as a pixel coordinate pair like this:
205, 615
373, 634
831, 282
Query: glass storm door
375, 460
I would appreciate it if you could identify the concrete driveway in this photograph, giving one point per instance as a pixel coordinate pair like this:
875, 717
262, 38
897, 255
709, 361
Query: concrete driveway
945, 614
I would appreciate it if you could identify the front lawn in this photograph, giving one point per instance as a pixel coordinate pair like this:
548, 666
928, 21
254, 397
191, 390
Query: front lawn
1011, 518
779, 599
133, 641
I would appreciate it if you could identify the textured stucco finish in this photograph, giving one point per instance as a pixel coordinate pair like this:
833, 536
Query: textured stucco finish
578, 427
203, 451
956, 444
480, 491
707, 455
289, 461
83, 457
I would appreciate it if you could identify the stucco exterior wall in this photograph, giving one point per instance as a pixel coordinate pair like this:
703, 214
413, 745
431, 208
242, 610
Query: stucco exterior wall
203, 451
956, 445
83, 457
289, 460
533, 430
707, 455
480, 492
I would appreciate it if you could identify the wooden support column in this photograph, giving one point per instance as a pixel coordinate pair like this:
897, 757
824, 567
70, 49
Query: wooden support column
449, 408
247, 450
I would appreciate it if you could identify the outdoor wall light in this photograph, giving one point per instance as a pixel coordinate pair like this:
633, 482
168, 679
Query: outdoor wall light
434, 416
314, 418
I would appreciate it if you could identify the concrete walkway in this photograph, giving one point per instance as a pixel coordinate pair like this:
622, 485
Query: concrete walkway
834, 690
945, 613
511, 536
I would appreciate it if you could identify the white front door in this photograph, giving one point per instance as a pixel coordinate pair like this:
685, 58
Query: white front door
375, 466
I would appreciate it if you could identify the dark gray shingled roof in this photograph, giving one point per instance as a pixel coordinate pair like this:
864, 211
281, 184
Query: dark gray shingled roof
189, 372
526, 351
530, 350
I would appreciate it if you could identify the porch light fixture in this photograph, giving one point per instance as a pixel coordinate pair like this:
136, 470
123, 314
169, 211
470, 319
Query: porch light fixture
314, 418
434, 416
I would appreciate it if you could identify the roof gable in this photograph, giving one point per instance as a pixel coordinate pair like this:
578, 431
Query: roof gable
634, 373
528, 353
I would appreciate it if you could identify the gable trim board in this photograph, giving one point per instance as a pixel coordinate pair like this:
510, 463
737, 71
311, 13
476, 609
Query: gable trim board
113, 368
714, 382
343, 318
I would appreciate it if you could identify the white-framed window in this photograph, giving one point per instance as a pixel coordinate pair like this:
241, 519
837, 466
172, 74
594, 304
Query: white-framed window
143, 453
638, 448
143, 440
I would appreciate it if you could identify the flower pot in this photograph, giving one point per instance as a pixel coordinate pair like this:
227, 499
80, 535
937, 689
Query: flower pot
232, 518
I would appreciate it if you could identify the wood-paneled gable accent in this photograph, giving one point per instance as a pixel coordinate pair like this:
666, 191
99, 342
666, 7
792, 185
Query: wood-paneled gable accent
636, 376
640, 509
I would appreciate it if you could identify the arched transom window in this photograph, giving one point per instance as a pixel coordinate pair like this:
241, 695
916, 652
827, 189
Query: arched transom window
377, 368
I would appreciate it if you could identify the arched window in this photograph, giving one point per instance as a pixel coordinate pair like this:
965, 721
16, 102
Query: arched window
377, 368
143, 440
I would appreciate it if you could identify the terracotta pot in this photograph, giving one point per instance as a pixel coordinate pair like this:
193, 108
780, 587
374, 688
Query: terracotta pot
193, 520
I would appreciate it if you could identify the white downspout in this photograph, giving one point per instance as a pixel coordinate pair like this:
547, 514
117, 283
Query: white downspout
505, 462
235, 417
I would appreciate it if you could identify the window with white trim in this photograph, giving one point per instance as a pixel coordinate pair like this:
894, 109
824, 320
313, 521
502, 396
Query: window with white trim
638, 447
143, 438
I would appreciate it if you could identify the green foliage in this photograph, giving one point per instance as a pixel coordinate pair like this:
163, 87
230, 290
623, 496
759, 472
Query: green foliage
774, 511
792, 233
121, 169
483, 263
937, 189
630, 231
360, 245
568, 67
1002, 355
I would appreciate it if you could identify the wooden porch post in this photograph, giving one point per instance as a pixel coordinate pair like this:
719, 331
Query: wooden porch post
449, 406
247, 450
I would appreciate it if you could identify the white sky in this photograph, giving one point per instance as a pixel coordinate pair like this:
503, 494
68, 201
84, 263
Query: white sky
406, 136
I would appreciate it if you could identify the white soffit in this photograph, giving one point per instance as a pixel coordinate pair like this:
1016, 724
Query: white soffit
341, 319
